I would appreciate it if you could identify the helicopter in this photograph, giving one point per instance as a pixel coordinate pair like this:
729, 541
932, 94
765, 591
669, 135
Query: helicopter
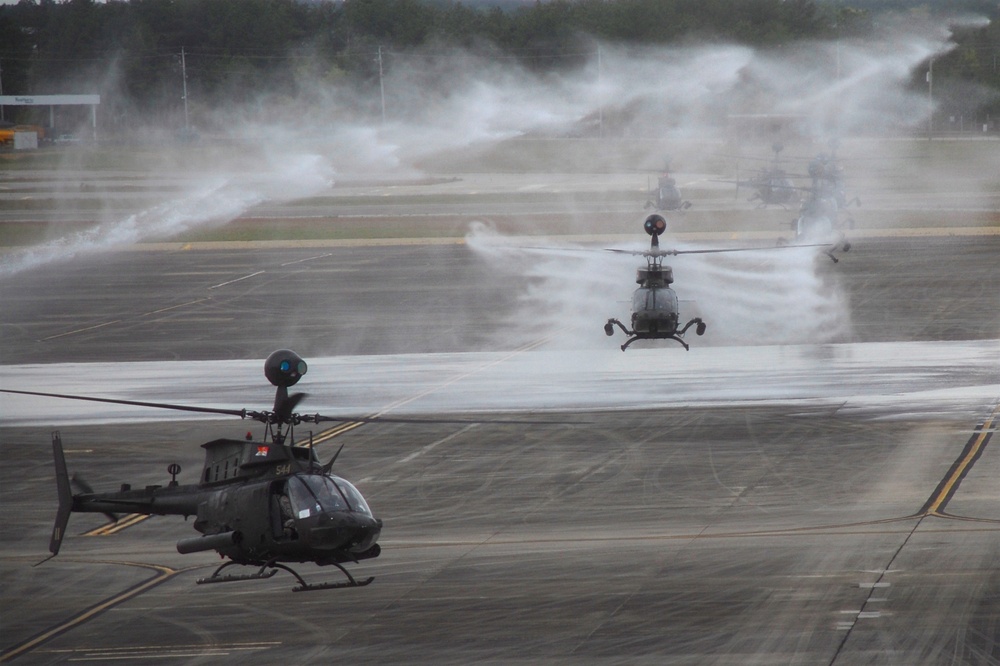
666, 196
819, 220
820, 213
257, 503
771, 185
655, 307
828, 177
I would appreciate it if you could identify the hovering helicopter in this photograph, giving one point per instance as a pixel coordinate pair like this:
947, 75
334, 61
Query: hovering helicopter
819, 220
655, 307
771, 185
820, 213
666, 196
828, 179
258, 503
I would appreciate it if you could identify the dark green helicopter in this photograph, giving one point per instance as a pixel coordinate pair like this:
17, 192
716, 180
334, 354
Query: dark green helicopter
666, 196
257, 503
771, 185
820, 213
655, 307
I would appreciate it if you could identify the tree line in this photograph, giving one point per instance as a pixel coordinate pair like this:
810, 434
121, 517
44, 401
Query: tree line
231, 51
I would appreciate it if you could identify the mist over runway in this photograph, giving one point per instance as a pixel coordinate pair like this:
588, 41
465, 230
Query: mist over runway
897, 380
449, 113
491, 327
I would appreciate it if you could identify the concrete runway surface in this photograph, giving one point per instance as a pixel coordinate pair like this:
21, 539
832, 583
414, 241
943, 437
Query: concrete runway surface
812, 501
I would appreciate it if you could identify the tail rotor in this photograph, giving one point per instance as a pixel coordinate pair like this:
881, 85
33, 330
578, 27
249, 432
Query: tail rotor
65, 497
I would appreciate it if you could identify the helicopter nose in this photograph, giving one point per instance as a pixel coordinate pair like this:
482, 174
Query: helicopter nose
367, 535
346, 531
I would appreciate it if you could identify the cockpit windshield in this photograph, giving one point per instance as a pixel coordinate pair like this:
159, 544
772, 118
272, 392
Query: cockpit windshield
645, 299
354, 498
315, 493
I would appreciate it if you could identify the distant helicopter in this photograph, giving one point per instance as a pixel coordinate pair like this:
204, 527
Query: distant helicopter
655, 307
771, 185
820, 213
666, 196
257, 503
819, 220
828, 179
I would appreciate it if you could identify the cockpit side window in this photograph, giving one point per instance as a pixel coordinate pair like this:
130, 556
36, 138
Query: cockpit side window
282, 513
304, 501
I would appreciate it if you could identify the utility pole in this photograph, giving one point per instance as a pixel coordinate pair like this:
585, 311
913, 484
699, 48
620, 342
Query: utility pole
836, 26
600, 93
381, 83
930, 99
184, 77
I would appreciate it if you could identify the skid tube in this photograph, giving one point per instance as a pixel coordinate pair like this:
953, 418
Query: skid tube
609, 330
274, 566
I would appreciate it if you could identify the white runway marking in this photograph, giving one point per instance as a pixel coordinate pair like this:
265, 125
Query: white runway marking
239, 279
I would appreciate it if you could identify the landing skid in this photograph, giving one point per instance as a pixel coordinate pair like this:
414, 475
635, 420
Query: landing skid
765, 204
303, 586
842, 244
700, 330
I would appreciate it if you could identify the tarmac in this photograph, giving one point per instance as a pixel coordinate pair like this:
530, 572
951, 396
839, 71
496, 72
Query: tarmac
816, 485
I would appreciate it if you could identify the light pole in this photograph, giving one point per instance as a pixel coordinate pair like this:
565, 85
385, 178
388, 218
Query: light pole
600, 93
381, 83
184, 78
930, 99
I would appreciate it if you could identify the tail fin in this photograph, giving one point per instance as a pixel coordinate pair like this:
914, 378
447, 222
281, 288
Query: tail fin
65, 496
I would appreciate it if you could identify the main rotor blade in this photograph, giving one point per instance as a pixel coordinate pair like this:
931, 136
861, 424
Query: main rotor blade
307, 418
320, 418
674, 253
242, 413
752, 158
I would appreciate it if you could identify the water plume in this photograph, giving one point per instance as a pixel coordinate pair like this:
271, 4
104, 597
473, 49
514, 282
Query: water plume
214, 200
437, 105
774, 296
